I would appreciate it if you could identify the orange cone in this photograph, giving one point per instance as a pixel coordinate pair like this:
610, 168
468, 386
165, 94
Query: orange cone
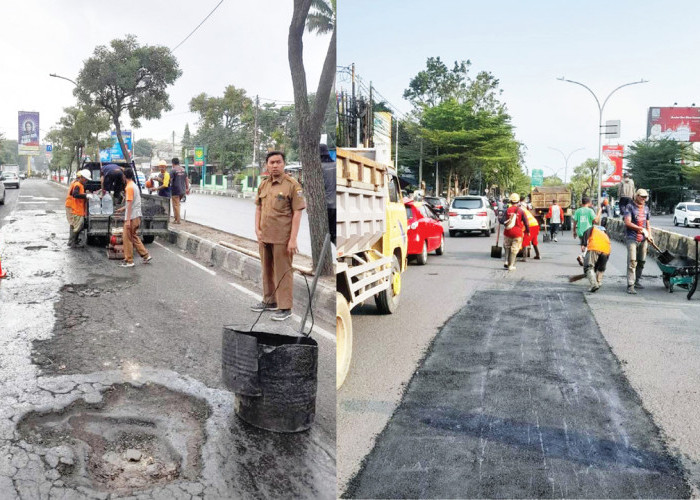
3, 274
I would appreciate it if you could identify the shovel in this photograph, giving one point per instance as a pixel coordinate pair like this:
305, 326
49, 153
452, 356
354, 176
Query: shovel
664, 257
497, 251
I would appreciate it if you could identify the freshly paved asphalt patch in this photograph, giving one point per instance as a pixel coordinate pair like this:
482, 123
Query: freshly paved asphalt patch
520, 396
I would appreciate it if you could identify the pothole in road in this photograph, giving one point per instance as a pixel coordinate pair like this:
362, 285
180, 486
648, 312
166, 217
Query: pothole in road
35, 247
135, 438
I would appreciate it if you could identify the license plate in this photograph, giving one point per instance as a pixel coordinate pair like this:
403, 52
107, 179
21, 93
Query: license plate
467, 217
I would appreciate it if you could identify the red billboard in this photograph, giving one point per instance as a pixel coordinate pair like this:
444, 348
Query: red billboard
612, 165
680, 124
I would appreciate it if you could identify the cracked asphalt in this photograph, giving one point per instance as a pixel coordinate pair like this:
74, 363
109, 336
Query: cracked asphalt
75, 328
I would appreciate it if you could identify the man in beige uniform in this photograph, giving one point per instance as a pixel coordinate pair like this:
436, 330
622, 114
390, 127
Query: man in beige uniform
277, 217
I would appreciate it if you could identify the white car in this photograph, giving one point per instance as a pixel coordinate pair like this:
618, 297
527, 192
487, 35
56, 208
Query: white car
687, 213
471, 213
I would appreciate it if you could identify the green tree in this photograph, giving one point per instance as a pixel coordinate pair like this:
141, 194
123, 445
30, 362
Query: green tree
128, 77
77, 132
552, 180
310, 115
437, 83
584, 182
8, 151
321, 18
144, 148
665, 167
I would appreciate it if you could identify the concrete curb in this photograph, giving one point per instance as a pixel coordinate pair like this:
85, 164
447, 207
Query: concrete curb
249, 269
677, 244
230, 194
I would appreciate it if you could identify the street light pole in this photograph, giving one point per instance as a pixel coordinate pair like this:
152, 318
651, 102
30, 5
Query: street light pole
63, 78
566, 159
600, 118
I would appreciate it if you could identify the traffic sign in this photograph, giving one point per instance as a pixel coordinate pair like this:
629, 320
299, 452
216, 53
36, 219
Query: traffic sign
49, 148
537, 177
198, 156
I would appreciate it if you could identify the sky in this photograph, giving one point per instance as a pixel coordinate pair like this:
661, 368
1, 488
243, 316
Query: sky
243, 43
527, 45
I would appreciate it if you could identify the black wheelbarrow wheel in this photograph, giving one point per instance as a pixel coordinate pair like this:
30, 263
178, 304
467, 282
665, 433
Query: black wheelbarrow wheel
693, 287
667, 282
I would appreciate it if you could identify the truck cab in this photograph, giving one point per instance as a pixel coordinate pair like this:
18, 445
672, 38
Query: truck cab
155, 209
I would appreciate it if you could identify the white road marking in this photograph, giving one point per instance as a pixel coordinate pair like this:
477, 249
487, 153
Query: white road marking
38, 198
195, 264
323, 333
317, 329
32, 202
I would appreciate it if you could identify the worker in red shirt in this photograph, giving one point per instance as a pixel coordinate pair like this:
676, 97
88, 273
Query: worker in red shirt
516, 226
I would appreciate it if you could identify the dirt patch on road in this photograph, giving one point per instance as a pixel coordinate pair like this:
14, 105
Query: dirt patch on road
137, 437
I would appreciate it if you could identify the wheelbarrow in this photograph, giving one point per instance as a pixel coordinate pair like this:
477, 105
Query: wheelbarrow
680, 271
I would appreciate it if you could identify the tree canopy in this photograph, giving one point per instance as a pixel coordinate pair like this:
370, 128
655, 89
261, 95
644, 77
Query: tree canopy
128, 77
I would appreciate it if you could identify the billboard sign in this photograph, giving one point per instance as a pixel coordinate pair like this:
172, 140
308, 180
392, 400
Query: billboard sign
611, 165
382, 137
28, 133
680, 124
116, 151
198, 156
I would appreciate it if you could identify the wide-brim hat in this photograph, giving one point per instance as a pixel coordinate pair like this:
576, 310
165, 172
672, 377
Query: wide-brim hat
642, 192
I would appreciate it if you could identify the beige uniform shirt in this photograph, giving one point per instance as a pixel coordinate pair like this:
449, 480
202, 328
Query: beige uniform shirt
278, 199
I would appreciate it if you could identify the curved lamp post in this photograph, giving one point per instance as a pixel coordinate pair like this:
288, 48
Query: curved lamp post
600, 117
566, 159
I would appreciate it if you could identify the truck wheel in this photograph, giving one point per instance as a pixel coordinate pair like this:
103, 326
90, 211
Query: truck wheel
388, 300
422, 258
343, 333
148, 239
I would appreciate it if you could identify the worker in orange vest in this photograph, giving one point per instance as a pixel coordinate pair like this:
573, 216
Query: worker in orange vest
76, 206
532, 236
597, 254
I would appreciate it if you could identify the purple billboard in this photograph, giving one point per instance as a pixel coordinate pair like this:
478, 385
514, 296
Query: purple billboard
28, 133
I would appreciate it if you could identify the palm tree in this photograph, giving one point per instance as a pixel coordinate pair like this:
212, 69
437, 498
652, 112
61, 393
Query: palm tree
321, 19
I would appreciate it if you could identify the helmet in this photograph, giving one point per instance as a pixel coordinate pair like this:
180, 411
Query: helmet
162, 163
514, 198
85, 173
149, 183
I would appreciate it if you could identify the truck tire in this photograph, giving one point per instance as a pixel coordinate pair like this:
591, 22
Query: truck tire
148, 239
343, 333
388, 300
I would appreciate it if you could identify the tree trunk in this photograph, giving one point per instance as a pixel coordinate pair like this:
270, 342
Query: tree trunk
309, 122
125, 152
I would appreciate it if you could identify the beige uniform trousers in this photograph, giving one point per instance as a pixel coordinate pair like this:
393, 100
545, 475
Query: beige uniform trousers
277, 274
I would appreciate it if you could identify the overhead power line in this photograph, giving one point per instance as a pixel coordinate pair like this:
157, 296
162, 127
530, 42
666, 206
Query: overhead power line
192, 32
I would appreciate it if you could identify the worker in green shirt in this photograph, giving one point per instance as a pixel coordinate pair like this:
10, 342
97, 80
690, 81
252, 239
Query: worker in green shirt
583, 220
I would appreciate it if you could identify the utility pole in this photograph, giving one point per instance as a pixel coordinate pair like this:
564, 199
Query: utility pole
396, 148
255, 132
437, 173
355, 110
420, 166
173, 144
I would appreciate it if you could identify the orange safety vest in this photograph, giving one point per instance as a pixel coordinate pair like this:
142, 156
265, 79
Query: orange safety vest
598, 241
531, 221
77, 206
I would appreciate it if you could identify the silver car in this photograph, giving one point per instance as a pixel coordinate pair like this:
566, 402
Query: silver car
2, 189
10, 179
471, 214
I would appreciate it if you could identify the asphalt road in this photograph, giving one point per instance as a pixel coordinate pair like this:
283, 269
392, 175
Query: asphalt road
666, 222
380, 409
234, 215
12, 196
76, 320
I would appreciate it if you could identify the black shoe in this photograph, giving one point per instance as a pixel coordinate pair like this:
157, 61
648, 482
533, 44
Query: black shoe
637, 284
281, 315
262, 306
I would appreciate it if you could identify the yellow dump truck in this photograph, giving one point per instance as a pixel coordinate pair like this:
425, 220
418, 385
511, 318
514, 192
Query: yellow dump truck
371, 243
541, 198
